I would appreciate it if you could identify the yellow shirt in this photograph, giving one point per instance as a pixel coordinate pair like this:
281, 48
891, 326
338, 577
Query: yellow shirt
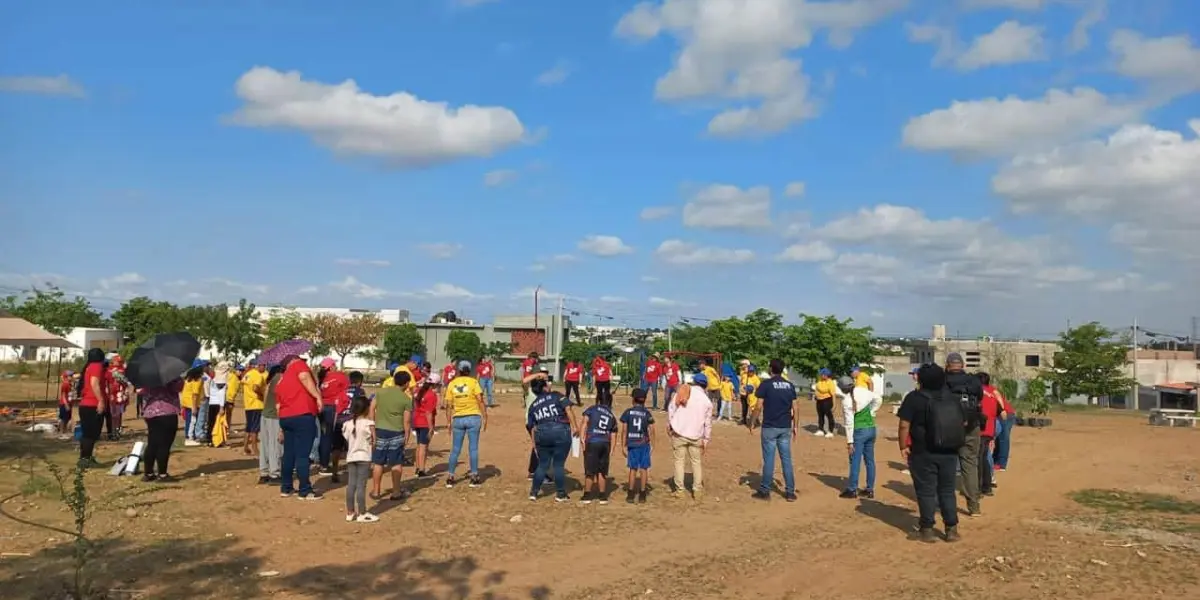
464, 393
253, 384
727, 391
190, 396
235, 386
714, 380
826, 388
753, 381
863, 380
412, 380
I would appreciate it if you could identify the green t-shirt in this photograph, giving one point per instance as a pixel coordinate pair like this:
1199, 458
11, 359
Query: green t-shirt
270, 409
390, 406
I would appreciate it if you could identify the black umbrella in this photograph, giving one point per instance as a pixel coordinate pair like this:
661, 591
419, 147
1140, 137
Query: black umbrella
162, 360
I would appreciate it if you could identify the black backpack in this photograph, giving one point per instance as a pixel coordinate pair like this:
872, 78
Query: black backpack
945, 428
972, 405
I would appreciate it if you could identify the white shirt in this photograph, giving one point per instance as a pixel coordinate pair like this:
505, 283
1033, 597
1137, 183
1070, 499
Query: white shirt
358, 439
217, 392
862, 399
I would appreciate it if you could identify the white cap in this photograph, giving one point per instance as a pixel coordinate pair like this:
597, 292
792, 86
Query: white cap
435, 378
687, 378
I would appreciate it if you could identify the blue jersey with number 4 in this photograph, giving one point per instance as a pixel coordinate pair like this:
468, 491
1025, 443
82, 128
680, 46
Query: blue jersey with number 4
601, 423
637, 420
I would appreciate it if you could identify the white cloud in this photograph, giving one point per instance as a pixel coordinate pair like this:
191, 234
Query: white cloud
815, 251
445, 291
441, 250
613, 299
876, 271
1080, 39
234, 286
943, 38
399, 128
604, 245
499, 177
653, 213
668, 303
357, 289
650, 279
1172, 62
526, 294
308, 290
1009, 43
677, 252
60, 85
556, 74
878, 314
741, 52
536, 267
720, 206
794, 189
359, 262
999, 127
1069, 274
1139, 180
124, 279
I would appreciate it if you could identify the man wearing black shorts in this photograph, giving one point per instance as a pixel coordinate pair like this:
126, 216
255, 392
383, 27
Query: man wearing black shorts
600, 432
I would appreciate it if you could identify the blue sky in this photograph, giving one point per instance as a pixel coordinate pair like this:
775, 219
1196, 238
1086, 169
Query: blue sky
1000, 166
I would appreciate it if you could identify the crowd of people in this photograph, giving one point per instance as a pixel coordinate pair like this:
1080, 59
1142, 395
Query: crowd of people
954, 427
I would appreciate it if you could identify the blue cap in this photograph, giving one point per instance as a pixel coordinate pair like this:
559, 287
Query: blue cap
416, 358
825, 372
700, 380
464, 364
392, 366
914, 370
751, 368
748, 388
253, 362
199, 362
855, 369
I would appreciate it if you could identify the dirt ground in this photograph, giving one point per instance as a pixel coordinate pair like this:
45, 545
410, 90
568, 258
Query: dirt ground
1052, 530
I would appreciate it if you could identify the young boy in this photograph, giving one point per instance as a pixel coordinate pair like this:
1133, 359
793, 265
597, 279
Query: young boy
638, 435
726, 411
601, 432
65, 388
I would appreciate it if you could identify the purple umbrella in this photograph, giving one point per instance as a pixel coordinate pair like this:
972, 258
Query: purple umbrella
275, 354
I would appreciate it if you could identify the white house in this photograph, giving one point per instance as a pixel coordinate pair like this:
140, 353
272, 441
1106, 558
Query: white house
85, 338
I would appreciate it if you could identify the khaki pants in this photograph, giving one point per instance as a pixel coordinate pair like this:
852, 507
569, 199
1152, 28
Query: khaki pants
968, 470
688, 449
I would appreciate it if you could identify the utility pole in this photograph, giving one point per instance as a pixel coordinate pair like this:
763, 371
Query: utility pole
1136, 385
671, 326
558, 340
1194, 339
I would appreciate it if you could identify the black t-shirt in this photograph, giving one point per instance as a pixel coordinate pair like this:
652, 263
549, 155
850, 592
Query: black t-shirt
777, 396
915, 410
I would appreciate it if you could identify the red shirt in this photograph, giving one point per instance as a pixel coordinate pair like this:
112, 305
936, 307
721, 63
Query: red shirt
447, 374
425, 409
1004, 403
673, 374
290, 396
88, 398
333, 390
64, 392
601, 371
485, 369
991, 408
653, 371
574, 371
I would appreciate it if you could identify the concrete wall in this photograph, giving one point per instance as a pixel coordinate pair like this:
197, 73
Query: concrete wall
1159, 371
1018, 360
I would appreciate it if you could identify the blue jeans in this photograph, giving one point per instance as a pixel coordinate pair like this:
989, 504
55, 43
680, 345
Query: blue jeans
553, 446
187, 423
468, 426
864, 452
1004, 431
781, 438
325, 451
298, 436
651, 387
200, 421
488, 385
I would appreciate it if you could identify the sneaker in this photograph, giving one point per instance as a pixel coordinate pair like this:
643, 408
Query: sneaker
533, 498
630, 497
164, 478
324, 471
287, 494
790, 497
191, 443
927, 535
869, 494
906, 472
819, 433
529, 477
952, 534
351, 518
367, 518
586, 499
476, 481
450, 482
263, 480
314, 495
641, 499
848, 494
828, 434
761, 495
148, 477
974, 512
562, 498
604, 500
422, 474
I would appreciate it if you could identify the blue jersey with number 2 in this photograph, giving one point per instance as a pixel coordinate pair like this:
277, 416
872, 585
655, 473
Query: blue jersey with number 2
601, 423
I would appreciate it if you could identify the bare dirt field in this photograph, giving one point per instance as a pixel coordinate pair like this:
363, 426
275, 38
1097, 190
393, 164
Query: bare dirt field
1097, 506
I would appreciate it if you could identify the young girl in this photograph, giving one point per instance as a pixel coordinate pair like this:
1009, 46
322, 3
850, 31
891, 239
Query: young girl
64, 404
424, 408
359, 432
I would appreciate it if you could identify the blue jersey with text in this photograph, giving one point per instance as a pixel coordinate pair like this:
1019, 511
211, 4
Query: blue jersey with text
637, 420
548, 409
601, 423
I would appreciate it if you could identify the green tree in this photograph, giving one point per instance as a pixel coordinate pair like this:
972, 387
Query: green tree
234, 335
464, 345
51, 310
1090, 363
281, 326
343, 335
497, 350
141, 318
755, 337
825, 342
401, 342
1035, 396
